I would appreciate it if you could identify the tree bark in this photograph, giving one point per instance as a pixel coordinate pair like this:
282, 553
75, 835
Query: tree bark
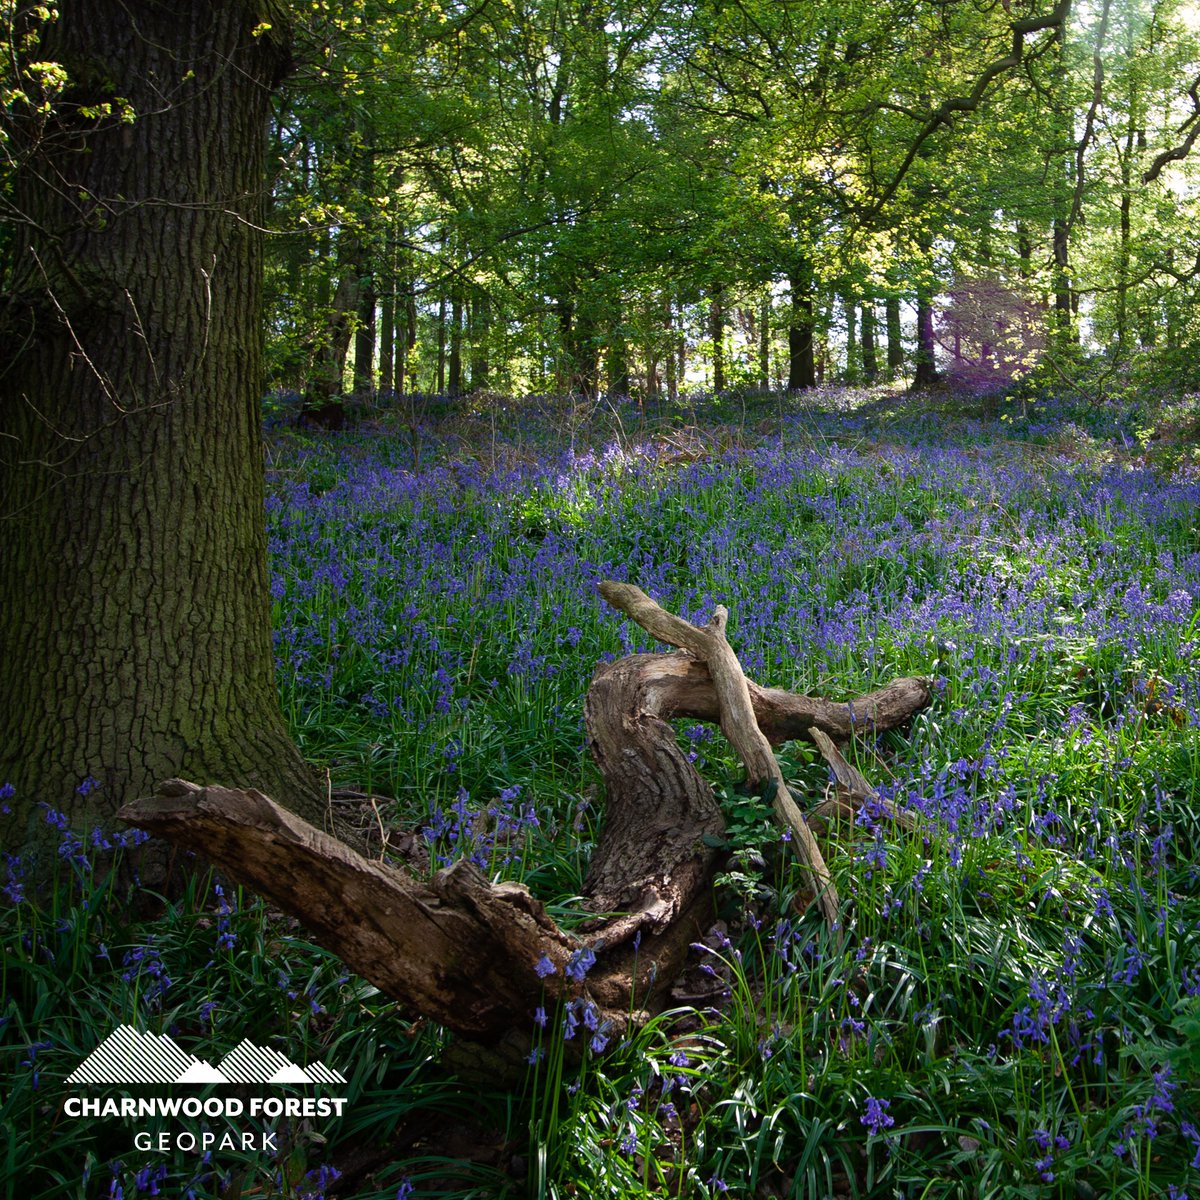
454, 382
925, 372
716, 314
465, 952
365, 334
387, 329
617, 359
323, 403
135, 636
481, 320
895, 339
850, 310
764, 341
870, 360
802, 367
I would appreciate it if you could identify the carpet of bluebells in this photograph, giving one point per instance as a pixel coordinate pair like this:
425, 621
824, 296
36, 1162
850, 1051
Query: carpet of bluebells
1014, 1010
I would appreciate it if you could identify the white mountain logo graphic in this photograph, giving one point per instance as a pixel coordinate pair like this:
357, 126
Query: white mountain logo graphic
127, 1056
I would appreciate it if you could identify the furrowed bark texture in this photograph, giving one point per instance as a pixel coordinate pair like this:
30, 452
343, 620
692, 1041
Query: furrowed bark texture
135, 638
465, 952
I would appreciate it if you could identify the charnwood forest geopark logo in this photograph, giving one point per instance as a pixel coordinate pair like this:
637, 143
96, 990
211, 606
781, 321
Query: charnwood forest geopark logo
127, 1057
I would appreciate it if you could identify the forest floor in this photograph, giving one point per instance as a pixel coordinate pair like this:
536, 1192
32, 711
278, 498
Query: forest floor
1016, 1009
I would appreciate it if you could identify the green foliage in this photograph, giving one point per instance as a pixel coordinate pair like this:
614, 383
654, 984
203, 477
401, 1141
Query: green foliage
546, 193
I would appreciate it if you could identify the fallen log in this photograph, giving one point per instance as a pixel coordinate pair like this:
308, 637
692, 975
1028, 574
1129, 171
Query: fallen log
478, 957
736, 718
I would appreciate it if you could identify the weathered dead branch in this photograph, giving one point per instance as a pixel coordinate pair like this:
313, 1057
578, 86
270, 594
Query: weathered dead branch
464, 951
736, 716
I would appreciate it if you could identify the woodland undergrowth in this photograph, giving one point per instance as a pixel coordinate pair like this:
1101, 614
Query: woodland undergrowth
1014, 1010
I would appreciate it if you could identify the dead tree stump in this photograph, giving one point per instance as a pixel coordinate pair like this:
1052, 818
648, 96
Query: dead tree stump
473, 955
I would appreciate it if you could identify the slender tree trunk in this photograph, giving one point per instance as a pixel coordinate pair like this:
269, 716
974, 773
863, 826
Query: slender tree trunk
716, 314
324, 297
481, 320
1024, 252
802, 368
564, 373
584, 354
653, 381
1124, 253
895, 338
455, 365
441, 347
388, 315
1172, 312
323, 402
617, 361
1063, 319
135, 635
764, 341
1062, 127
870, 360
387, 336
671, 358
406, 336
849, 308
925, 374
364, 335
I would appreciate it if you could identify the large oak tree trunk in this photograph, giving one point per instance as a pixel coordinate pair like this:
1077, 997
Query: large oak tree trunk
479, 958
135, 637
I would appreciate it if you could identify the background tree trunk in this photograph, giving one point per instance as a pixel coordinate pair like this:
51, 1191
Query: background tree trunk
851, 313
364, 336
387, 326
717, 332
870, 360
925, 373
481, 320
895, 339
802, 368
135, 636
764, 341
617, 361
454, 364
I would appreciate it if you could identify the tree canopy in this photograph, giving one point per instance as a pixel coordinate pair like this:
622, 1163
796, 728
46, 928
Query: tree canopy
560, 194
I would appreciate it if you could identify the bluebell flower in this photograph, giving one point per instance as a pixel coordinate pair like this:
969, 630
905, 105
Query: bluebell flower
876, 1117
580, 963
